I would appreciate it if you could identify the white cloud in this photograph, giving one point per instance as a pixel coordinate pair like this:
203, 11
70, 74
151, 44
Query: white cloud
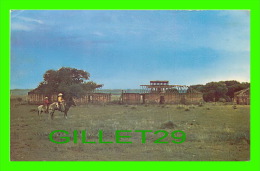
97, 33
18, 26
26, 19
24, 23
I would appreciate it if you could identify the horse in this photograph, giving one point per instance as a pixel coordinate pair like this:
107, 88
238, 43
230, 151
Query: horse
41, 109
65, 106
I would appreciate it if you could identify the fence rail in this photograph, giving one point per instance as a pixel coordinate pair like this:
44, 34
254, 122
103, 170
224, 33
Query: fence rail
90, 98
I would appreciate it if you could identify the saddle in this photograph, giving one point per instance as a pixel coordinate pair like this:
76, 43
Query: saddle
61, 107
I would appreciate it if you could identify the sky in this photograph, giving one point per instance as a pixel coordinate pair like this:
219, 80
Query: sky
123, 49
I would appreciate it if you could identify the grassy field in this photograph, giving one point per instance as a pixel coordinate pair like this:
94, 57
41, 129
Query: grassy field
215, 132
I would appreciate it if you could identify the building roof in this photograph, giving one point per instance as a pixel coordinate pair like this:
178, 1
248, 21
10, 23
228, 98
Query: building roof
163, 86
159, 81
242, 92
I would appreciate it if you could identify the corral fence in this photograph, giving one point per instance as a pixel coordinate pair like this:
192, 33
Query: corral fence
162, 98
34, 98
126, 98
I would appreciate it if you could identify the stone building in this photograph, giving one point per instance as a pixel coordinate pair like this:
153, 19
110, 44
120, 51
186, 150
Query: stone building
160, 92
242, 97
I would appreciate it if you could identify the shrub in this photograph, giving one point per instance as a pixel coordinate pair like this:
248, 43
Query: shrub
180, 107
187, 109
192, 107
168, 125
222, 100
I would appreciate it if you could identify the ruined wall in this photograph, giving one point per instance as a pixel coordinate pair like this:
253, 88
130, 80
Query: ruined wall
131, 98
99, 98
161, 98
174, 98
242, 97
91, 98
193, 98
152, 98
242, 100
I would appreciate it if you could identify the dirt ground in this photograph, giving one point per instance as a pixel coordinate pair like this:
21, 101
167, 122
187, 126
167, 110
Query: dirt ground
214, 132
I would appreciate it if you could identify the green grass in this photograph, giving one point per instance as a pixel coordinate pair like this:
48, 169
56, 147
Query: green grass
218, 134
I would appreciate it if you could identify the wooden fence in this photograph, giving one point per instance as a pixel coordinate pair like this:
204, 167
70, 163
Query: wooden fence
38, 99
161, 98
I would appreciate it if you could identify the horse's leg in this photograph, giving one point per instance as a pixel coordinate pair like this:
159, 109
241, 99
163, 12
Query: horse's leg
52, 114
47, 110
65, 114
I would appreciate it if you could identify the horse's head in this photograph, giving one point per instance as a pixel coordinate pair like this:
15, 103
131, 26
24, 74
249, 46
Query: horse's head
71, 102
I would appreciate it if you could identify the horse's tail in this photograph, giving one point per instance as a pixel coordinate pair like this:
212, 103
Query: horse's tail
40, 108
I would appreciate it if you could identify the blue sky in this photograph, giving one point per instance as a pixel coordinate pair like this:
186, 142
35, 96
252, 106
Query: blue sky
124, 49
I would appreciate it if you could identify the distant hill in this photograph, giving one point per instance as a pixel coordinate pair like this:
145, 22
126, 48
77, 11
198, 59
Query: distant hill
118, 91
19, 92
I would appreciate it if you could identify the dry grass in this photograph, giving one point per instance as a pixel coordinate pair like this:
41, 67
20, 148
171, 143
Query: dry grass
218, 134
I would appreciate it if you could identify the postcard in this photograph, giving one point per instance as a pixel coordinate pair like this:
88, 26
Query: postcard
130, 85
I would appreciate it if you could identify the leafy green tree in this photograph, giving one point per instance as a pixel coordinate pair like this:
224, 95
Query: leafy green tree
213, 91
234, 86
198, 87
69, 81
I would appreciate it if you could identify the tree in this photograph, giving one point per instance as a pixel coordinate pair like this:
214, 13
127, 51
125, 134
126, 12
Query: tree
69, 81
234, 86
213, 91
198, 87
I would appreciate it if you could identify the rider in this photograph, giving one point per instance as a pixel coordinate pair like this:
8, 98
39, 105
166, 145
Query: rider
60, 100
46, 104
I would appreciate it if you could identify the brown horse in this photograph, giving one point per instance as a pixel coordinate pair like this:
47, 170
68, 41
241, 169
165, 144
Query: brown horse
65, 106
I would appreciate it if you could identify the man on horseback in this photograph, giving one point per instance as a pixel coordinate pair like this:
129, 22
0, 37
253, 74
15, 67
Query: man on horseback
61, 105
46, 104
60, 101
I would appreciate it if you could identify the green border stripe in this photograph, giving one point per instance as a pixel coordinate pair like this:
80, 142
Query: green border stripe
6, 6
